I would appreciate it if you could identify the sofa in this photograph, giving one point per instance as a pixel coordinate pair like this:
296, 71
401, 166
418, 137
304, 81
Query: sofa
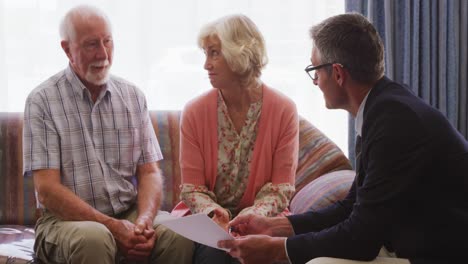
324, 175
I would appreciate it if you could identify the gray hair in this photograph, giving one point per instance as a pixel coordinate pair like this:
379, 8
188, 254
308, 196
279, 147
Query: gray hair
350, 39
83, 12
242, 44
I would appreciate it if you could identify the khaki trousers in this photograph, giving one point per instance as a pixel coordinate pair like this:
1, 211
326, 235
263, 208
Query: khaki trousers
384, 257
80, 242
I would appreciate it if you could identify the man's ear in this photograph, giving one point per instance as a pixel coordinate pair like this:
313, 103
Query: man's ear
66, 48
339, 74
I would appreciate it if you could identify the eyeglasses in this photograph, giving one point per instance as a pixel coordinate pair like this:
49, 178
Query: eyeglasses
311, 70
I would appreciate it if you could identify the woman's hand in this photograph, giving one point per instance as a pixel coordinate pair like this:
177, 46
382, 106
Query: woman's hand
221, 217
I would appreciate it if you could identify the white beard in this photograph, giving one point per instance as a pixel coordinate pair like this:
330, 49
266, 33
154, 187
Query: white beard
98, 78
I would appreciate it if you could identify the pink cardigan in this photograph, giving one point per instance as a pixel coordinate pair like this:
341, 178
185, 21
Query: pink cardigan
275, 154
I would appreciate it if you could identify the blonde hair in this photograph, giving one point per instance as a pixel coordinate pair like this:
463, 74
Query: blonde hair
242, 44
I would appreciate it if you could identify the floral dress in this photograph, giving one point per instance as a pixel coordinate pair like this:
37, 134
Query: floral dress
235, 152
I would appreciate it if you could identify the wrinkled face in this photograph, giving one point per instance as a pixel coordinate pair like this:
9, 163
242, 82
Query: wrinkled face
90, 51
219, 72
335, 96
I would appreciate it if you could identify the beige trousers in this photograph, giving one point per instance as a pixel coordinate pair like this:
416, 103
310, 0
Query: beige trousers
80, 242
384, 257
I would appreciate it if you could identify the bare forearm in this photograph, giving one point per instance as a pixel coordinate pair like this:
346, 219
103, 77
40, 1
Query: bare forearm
62, 202
67, 206
149, 193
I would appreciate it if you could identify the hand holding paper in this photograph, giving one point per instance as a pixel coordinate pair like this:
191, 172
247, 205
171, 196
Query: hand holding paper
199, 228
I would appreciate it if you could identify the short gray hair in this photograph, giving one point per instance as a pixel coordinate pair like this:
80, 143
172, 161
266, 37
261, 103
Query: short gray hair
242, 44
350, 39
83, 12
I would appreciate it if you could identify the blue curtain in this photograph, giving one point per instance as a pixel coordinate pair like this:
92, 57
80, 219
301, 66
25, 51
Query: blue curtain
426, 48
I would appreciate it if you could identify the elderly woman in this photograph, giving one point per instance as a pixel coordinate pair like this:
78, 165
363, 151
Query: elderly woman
239, 141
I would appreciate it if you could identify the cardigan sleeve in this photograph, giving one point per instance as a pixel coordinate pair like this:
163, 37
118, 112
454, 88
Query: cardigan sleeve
194, 190
274, 197
198, 198
191, 156
286, 151
271, 200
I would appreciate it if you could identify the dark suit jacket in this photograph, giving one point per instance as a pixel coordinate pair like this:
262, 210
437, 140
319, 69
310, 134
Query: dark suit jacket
411, 193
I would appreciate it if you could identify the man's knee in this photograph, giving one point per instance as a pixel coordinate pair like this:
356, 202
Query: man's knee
171, 246
74, 242
167, 237
92, 236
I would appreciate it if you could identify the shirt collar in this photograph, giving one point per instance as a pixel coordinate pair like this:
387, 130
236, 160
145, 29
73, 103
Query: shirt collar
360, 116
79, 87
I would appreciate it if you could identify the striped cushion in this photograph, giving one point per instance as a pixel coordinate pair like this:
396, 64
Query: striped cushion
317, 155
166, 126
17, 201
323, 191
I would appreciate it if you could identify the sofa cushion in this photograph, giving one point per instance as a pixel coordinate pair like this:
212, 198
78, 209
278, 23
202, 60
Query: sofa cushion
17, 201
323, 191
318, 155
16, 244
166, 127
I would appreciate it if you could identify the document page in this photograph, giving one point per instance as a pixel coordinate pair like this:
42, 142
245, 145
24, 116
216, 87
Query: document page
199, 228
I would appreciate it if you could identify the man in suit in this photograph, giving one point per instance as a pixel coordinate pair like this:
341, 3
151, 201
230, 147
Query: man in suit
410, 196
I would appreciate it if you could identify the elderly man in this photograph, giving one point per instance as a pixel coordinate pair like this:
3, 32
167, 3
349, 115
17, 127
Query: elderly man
90, 146
410, 195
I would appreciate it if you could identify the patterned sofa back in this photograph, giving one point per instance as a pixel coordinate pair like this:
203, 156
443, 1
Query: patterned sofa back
317, 155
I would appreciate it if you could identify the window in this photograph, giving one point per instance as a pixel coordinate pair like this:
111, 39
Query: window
155, 48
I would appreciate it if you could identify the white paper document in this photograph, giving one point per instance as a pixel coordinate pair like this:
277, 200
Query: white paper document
199, 228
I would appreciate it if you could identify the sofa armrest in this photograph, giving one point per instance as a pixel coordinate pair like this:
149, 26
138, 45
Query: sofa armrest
323, 191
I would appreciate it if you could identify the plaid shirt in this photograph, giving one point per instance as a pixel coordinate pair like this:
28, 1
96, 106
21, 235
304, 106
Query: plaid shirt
96, 146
